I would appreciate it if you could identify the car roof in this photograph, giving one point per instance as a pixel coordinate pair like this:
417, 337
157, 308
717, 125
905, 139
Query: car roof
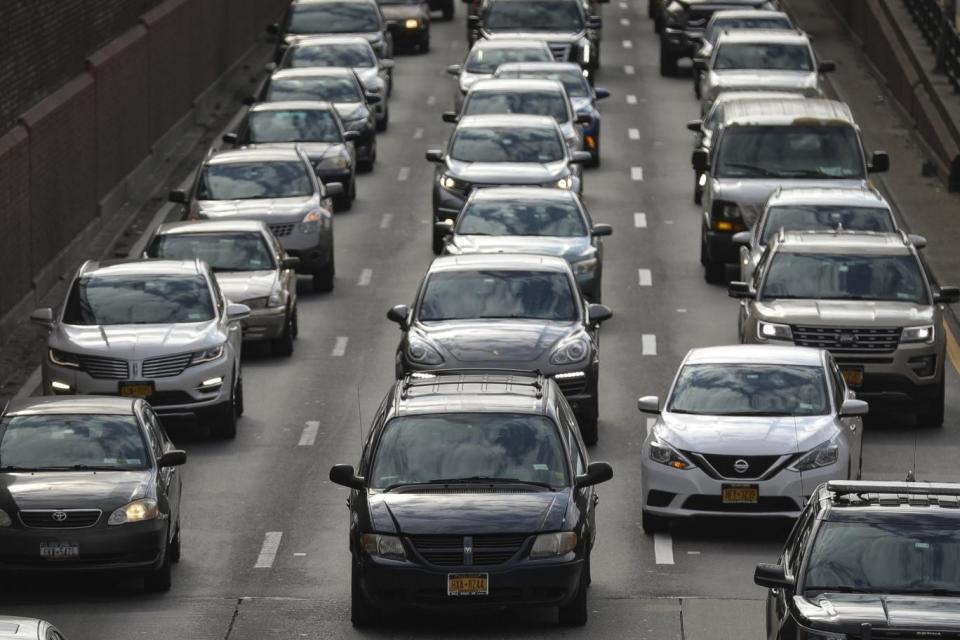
17, 627
748, 13
313, 72
513, 120
755, 354
290, 105
516, 85
857, 242
885, 498
141, 267
59, 405
839, 196
499, 262
263, 154
757, 36
318, 40
509, 43
522, 193
788, 112
212, 226
472, 391
728, 97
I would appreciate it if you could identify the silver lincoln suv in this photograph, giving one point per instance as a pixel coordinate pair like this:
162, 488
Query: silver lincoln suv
863, 296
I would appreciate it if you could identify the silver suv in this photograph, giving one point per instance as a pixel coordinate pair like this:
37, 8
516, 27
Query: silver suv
863, 296
154, 329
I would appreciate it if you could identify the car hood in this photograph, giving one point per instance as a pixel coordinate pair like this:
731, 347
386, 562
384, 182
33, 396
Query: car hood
739, 79
351, 111
501, 340
266, 209
136, 341
848, 611
843, 312
570, 248
751, 194
465, 513
467, 78
73, 489
582, 105
744, 435
507, 172
401, 11
316, 151
244, 285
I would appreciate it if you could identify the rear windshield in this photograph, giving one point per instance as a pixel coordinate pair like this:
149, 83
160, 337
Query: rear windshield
292, 126
157, 299
331, 17
331, 55
71, 443
750, 390
767, 56
767, 22
536, 103
507, 144
531, 295
791, 151
571, 79
326, 89
533, 15
826, 217
254, 180
222, 251
845, 277
487, 59
517, 217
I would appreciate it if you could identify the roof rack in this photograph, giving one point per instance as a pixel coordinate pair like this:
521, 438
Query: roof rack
526, 378
847, 487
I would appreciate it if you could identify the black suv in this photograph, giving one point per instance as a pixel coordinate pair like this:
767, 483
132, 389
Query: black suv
474, 490
869, 560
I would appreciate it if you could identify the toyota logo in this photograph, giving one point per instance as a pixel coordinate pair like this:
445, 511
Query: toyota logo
59, 516
741, 466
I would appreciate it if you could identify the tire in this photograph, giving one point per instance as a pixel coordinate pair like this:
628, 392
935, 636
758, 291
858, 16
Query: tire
224, 424
383, 123
238, 401
714, 272
353, 188
595, 159
448, 10
159, 580
653, 524
323, 280
933, 415
668, 62
425, 43
362, 612
651, 13
343, 202
283, 346
437, 243
174, 550
575, 612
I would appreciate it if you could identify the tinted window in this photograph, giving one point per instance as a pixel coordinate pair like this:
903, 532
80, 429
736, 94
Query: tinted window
458, 295
517, 217
487, 59
756, 55
455, 446
722, 24
831, 277
253, 180
507, 144
536, 103
330, 17
292, 126
571, 79
826, 217
222, 251
64, 441
750, 390
153, 299
533, 15
326, 89
331, 55
790, 152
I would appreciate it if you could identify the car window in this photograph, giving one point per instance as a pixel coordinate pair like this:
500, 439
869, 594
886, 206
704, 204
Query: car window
839, 384
827, 217
333, 17
487, 59
574, 445
720, 25
517, 217
254, 180
533, 15
798, 541
154, 299
530, 295
793, 151
537, 103
761, 55
571, 79
294, 125
331, 55
507, 144
68, 441
222, 251
154, 439
324, 88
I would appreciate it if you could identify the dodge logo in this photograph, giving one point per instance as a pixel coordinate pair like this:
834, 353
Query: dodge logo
741, 466
59, 516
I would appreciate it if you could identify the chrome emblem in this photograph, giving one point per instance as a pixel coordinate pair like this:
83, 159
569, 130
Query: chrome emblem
59, 516
741, 466
847, 339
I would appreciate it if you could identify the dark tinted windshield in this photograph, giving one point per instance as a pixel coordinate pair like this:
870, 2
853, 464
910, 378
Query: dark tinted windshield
533, 15
139, 300
455, 446
222, 251
756, 55
331, 55
66, 441
750, 390
912, 553
790, 152
487, 59
517, 217
292, 126
722, 24
326, 89
826, 217
506, 144
331, 17
253, 180
462, 295
845, 277
535, 103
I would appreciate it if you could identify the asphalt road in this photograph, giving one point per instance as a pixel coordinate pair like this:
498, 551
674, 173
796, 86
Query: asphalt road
265, 533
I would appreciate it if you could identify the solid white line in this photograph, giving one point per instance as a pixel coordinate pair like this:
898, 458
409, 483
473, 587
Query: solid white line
636, 173
385, 220
309, 435
663, 548
30, 385
431, 100
646, 278
640, 220
340, 347
268, 552
631, 99
403, 174
649, 344
418, 133
299, 555
627, 44
365, 277
625, 22
629, 69
633, 134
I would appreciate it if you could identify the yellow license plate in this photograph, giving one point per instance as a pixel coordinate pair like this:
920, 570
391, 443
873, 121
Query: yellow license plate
853, 377
746, 494
136, 390
468, 584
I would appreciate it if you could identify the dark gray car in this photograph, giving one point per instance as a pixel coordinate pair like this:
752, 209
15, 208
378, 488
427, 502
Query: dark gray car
334, 17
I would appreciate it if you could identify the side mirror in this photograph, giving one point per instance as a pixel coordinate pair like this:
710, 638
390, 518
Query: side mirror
601, 230
771, 576
584, 118
699, 64
597, 313
230, 138
451, 117
345, 476
290, 262
236, 311
473, 21
744, 238
372, 98
434, 155
740, 290
443, 227
695, 125
350, 136
827, 66
273, 29
595, 22
947, 295
918, 241
454, 69
851, 408
597, 472
249, 101
580, 157
173, 458
649, 404
387, 63
270, 67
879, 162
178, 196
398, 314
334, 188
600, 94
701, 160
42, 316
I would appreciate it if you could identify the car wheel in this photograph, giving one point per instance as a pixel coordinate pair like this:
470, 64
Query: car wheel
225, 419
295, 323
668, 63
653, 524
714, 272
238, 395
932, 414
448, 10
383, 122
588, 419
696, 84
651, 13
159, 580
574, 613
175, 546
353, 187
362, 612
425, 43
343, 202
323, 279
437, 243
283, 346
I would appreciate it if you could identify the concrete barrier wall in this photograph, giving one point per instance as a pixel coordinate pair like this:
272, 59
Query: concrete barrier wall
14, 217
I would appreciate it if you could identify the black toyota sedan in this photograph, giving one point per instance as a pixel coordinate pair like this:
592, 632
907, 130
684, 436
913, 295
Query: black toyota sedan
474, 490
88, 483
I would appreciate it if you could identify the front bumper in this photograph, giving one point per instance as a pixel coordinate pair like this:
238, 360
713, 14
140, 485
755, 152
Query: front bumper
265, 324
343, 176
411, 37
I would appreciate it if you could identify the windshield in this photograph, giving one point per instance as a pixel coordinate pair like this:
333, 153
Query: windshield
530, 295
326, 89
845, 277
793, 151
458, 446
487, 59
66, 442
915, 553
292, 126
517, 217
533, 15
332, 17
507, 144
826, 217
723, 24
254, 180
222, 251
750, 390
535, 103
154, 299
331, 55
571, 79
758, 55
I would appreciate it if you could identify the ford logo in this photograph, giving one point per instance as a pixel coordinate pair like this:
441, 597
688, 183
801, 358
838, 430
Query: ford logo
59, 516
741, 466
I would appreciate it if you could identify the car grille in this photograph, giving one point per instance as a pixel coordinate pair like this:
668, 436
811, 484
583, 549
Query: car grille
769, 504
166, 366
64, 519
844, 340
448, 551
280, 230
724, 465
561, 51
103, 368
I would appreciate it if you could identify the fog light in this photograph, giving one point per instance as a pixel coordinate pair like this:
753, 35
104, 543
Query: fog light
571, 374
60, 386
212, 382
923, 366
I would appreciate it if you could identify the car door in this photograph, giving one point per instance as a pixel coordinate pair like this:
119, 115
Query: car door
586, 499
792, 560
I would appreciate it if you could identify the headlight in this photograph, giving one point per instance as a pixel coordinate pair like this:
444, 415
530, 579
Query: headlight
209, 355
311, 222
822, 455
551, 545
452, 184
571, 352
411, 23
335, 162
586, 54
774, 331
563, 183
665, 454
925, 333
422, 352
64, 359
383, 546
4, 519
277, 299
723, 209
584, 266
136, 511
256, 303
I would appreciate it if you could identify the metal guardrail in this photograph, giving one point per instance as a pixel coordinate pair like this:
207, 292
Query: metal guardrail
941, 33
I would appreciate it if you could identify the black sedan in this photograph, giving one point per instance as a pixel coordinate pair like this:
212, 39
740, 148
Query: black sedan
89, 483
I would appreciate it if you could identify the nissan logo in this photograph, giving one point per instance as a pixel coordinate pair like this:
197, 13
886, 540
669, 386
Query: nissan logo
59, 516
741, 466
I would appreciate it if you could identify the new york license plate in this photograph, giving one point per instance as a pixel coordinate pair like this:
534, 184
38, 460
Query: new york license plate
740, 493
59, 550
136, 389
852, 375
468, 584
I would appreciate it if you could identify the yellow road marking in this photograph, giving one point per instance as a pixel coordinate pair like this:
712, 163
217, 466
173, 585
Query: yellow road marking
953, 349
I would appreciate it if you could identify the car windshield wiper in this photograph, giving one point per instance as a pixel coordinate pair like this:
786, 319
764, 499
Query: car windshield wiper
471, 480
926, 592
12, 467
750, 167
78, 467
841, 589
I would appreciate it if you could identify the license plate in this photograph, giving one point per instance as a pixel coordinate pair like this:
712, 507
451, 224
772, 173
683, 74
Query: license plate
852, 376
59, 550
468, 584
136, 389
740, 493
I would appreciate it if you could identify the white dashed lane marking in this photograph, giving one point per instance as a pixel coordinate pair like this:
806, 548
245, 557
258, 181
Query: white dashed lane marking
268, 552
309, 435
365, 277
431, 100
386, 220
636, 173
629, 69
622, 5
403, 174
663, 548
631, 99
340, 347
649, 344
627, 44
640, 220
418, 133
645, 277
625, 22
633, 134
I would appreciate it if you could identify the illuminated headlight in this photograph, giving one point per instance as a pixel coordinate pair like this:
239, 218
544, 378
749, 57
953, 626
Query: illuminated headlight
551, 545
382, 546
411, 23
584, 267
212, 382
423, 353
774, 331
60, 386
925, 333
63, 359
334, 162
136, 511
452, 184
665, 454
571, 352
4, 519
823, 455
311, 223
586, 54
702, 181
564, 183
209, 355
